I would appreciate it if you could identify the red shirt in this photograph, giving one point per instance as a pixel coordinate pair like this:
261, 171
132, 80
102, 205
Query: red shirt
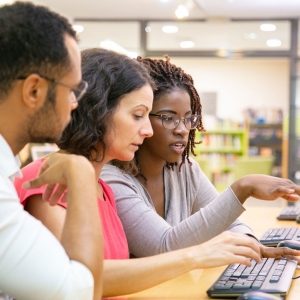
115, 242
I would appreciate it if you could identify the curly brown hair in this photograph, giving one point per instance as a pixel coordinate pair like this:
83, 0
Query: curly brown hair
110, 76
168, 77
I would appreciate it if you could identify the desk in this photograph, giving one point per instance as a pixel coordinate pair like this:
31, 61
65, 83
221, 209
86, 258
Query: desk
193, 285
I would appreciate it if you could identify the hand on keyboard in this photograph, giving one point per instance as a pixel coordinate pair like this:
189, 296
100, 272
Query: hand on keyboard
227, 248
264, 187
284, 252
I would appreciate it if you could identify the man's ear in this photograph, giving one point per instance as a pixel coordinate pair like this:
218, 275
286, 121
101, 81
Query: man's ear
34, 91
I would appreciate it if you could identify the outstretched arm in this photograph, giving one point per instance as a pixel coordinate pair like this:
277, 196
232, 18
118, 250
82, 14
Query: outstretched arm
264, 187
196, 214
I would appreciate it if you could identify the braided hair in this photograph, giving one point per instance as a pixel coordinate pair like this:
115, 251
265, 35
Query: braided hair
168, 77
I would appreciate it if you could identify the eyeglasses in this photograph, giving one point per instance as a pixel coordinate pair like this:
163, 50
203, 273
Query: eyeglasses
79, 91
172, 121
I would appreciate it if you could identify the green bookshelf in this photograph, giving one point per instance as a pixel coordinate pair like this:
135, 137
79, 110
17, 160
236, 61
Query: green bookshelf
219, 150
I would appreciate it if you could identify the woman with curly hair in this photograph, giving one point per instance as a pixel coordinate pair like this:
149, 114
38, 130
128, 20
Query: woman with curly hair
164, 200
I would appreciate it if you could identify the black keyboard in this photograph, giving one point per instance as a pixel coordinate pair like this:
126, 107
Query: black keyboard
289, 213
269, 276
275, 235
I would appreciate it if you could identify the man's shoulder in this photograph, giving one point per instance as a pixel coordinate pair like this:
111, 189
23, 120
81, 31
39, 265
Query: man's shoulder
7, 190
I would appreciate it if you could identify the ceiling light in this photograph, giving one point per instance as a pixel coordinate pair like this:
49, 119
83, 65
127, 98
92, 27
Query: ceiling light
267, 27
273, 43
110, 45
187, 44
250, 36
222, 53
181, 12
147, 28
78, 28
170, 29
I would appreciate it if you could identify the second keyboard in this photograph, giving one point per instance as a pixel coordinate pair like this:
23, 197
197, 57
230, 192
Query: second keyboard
275, 235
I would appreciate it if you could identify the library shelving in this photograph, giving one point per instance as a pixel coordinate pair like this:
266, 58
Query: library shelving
265, 139
218, 152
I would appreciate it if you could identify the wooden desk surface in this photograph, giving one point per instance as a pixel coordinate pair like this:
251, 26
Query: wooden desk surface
193, 285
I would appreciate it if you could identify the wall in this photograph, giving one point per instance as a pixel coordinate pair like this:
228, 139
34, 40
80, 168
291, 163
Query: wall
241, 83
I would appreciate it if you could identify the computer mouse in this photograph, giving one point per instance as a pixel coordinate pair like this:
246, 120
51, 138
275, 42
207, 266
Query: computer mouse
257, 296
298, 219
290, 244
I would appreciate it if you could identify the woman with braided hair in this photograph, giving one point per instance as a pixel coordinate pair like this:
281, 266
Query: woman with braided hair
164, 200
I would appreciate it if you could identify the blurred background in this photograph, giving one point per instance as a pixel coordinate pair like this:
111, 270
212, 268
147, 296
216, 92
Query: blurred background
244, 58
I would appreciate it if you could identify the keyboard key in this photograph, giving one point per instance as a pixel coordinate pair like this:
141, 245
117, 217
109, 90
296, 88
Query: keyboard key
283, 261
230, 283
224, 278
257, 269
248, 283
257, 284
261, 278
267, 267
233, 279
280, 267
240, 287
233, 266
221, 287
277, 273
274, 279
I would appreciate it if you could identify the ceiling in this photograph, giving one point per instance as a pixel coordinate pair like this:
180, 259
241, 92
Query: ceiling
157, 9
216, 33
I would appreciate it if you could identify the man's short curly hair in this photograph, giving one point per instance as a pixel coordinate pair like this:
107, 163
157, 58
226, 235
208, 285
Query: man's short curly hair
32, 40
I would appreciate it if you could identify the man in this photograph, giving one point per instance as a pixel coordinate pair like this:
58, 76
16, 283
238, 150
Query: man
40, 83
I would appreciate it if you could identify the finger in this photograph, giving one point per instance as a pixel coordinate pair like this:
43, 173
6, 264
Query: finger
65, 197
272, 253
296, 258
43, 167
34, 183
48, 191
289, 251
292, 198
241, 260
247, 252
250, 242
57, 194
280, 252
297, 189
242, 240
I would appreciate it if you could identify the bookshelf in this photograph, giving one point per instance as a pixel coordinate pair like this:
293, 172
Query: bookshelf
221, 147
266, 139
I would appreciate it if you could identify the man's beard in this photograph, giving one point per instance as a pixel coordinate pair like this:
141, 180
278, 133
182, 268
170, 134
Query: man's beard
45, 125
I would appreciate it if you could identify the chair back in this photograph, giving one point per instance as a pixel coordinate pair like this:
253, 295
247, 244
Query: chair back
246, 165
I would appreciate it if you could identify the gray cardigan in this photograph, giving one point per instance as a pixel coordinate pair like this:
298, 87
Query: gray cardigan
194, 211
